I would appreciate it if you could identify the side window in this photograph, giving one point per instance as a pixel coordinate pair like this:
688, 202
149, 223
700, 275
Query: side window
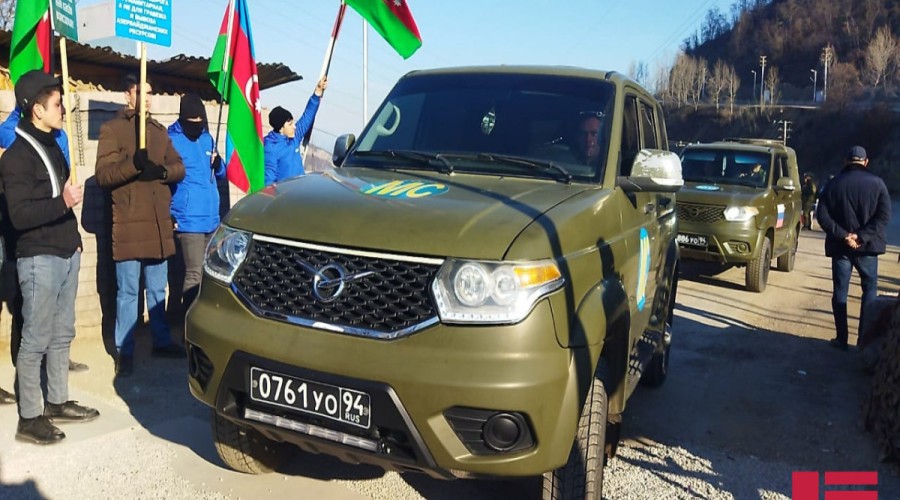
780, 168
631, 138
648, 126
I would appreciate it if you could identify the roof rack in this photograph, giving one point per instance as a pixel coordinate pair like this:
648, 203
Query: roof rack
749, 140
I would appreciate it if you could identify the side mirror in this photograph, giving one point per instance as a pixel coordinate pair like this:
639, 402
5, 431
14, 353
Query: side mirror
785, 184
654, 170
341, 146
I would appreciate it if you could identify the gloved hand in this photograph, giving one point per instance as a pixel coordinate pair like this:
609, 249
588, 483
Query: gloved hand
216, 163
148, 170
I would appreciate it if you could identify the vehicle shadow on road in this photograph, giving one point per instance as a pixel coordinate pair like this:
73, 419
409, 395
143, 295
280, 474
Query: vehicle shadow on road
16, 491
786, 402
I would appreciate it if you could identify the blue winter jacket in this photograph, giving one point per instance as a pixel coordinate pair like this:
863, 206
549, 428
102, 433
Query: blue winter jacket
8, 134
195, 200
283, 159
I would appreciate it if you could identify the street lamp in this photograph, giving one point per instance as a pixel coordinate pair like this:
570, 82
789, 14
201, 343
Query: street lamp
815, 76
754, 82
762, 81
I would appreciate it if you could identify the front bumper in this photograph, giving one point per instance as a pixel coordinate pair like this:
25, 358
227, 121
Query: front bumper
727, 242
415, 382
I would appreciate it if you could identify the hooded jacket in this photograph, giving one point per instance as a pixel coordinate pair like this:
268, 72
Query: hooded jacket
8, 134
282, 154
195, 200
34, 173
142, 226
856, 201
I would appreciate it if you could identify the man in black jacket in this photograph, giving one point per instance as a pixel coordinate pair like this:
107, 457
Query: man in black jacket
48, 257
854, 210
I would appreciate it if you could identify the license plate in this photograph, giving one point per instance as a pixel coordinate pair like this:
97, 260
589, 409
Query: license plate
693, 240
323, 400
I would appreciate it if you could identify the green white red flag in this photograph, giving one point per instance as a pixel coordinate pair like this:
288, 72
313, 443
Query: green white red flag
393, 21
32, 37
232, 70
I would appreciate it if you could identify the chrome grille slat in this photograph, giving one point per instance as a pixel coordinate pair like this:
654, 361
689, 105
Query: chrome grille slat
695, 212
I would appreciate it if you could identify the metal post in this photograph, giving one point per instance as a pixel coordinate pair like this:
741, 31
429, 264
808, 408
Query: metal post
754, 82
762, 81
815, 76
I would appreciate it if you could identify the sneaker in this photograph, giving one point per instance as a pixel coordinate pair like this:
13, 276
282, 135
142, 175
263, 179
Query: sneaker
124, 365
6, 397
39, 430
838, 344
75, 366
169, 351
70, 411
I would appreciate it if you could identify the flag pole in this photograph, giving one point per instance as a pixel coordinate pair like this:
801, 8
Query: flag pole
225, 66
326, 64
143, 99
365, 113
67, 103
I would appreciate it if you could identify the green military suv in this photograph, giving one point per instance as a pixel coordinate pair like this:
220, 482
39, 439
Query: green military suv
475, 290
740, 205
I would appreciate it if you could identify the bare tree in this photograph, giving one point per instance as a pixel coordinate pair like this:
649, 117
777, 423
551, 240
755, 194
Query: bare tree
7, 13
681, 79
881, 55
717, 83
772, 82
844, 85
733, 83
638, 72
661, 80
700, 70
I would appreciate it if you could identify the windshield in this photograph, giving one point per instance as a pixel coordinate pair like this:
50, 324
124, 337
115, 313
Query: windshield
545, 126
718, 166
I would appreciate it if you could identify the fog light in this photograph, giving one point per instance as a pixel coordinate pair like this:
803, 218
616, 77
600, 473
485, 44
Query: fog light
503, 431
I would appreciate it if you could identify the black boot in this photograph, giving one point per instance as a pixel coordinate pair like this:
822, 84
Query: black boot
39, 430
6, 397
70, 411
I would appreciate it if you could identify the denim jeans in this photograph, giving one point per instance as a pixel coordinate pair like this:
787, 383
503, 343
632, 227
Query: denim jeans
49, 285
841, 268
128, 276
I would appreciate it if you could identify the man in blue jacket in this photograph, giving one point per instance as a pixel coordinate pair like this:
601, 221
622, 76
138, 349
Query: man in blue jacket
281, 146
854, 210
195, 200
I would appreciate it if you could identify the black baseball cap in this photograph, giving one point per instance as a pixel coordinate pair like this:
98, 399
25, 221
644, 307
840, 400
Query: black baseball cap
31, 84
856, 154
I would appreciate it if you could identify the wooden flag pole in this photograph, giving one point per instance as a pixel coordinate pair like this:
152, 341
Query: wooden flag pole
326, 64
142, 99
226, 66
67, 103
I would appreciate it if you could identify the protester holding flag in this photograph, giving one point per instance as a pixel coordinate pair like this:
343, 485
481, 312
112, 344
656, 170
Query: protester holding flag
142, 229
195, 200
281, 146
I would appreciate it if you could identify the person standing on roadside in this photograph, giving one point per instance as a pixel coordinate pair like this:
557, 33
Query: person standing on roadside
281, 146
40, 205
195, 200
142, 229
854, 210
808, 195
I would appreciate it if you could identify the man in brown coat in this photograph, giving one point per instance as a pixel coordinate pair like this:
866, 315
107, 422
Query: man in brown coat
142, 229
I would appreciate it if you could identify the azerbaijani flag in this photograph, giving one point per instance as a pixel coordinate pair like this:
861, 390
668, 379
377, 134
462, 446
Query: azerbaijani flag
232, 70
393, 21
31, 38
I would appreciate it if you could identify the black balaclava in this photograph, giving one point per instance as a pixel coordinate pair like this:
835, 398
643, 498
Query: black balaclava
192, 107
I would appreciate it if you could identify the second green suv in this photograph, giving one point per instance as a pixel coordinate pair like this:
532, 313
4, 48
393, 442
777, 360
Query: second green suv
740, 205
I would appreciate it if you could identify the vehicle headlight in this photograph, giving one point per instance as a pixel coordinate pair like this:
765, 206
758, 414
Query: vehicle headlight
492, 292
740, 214
226, 251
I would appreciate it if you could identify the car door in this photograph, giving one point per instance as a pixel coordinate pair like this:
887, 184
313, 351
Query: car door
784, 200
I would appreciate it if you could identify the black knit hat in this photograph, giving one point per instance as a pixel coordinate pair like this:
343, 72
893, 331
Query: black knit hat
30, 85
192, 107
278, 117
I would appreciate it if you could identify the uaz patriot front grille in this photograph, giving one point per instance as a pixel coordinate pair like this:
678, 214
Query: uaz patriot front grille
347, 291
706, 214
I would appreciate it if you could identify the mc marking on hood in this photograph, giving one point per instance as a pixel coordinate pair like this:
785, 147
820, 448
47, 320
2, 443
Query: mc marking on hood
405, 189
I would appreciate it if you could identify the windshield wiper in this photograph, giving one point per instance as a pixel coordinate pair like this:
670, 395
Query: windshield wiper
419, 156
527, 162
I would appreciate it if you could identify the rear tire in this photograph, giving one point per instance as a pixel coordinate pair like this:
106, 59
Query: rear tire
582, 475
246, 450
758, 269
786, 261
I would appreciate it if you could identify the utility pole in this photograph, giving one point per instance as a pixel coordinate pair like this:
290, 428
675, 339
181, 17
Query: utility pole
784, 129
827, 59
762, 82
754, 83
815, 75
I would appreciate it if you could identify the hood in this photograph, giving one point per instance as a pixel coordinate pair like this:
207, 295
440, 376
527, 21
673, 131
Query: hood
720, 194
274, 137
405, 212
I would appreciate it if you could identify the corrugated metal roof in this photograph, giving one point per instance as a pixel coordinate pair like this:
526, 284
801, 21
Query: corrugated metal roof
104, 68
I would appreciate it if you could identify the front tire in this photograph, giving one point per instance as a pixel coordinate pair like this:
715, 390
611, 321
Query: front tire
758, 269
786, 261
582, 475
246, 450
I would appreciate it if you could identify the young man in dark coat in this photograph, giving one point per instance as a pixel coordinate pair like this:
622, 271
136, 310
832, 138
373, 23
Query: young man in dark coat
854, 210
142, 229
48, 257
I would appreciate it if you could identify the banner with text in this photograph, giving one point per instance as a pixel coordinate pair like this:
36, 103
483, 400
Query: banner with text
145, 20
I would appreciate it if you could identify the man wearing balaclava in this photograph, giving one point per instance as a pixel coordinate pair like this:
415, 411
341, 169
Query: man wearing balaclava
195, 200
281, 146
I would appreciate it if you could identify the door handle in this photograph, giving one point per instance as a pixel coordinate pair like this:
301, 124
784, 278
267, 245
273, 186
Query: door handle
649, 208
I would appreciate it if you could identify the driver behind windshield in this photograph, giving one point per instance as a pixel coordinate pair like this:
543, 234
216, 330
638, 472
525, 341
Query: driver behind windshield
587, 138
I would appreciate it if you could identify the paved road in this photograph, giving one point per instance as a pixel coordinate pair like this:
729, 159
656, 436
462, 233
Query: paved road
754, 394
